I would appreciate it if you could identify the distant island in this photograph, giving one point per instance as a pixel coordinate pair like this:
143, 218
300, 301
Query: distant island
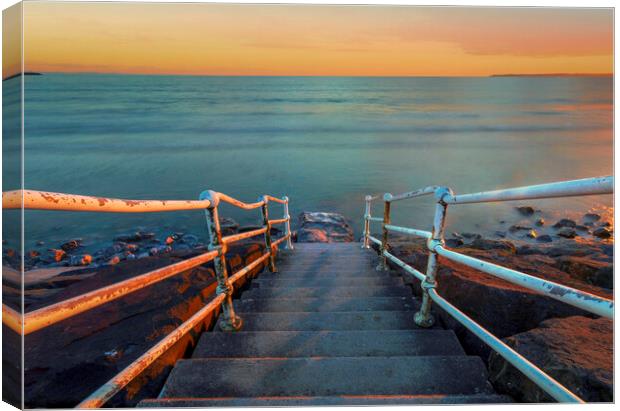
26, 73
555, 75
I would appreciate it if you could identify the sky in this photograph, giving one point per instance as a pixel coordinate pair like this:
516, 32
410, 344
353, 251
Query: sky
229, 39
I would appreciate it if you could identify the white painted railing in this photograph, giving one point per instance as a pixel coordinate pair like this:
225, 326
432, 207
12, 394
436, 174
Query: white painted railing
436, 245
209, 200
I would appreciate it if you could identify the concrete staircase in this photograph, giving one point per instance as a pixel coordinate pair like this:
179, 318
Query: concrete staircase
327, 330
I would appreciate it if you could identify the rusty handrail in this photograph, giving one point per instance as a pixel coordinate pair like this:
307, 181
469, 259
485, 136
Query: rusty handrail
46, 316
120, 380
238, 203
208, 201
45, 200
445, 197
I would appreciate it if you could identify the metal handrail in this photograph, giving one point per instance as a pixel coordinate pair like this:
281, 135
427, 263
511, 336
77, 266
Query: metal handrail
208, 201
435, 242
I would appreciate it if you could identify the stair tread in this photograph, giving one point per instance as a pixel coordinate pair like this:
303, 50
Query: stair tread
325, 321
356, 343
240, 377
332, 291
298, 401
327, 282
319, 304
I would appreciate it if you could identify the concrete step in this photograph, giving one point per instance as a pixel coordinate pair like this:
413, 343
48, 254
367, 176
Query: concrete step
297, 272
325, 321
367, 376
326, 304
285, 281
344, 400
289, 344
327, 292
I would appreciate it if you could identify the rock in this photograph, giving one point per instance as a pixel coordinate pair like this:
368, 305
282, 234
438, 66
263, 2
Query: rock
540, 222
40, 243
565, 222
587, 270
84, 259
517, 227
580, 227
72, 245
501, 234
324, 228
454, 242
135, 237
591, 217
470, 236
486, 244
604, 224
531, 234
567, 232
601, 232
525, 210
576, 351
604, 277
545, 238
228, 226
457, 235
58, 255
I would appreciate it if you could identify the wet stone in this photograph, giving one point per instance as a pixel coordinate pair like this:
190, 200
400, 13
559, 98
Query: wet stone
525, 210
565, 222
591, 217
545, 238
567, 232
540, 222
602, 232
72, 245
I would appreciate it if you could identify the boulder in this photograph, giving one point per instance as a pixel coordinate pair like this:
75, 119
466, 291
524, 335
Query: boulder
319, 227
525, 210
586, 269
228, 226
540, 222
72, 245
601, 232
135, 237
545, 238
565, 222
567, 232
576, 351
591, 217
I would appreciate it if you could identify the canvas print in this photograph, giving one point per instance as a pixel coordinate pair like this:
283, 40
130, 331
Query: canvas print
250, 205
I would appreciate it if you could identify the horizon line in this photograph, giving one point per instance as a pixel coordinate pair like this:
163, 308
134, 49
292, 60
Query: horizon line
319, 75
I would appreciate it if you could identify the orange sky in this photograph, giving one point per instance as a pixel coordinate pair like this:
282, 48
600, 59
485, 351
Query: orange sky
228, 39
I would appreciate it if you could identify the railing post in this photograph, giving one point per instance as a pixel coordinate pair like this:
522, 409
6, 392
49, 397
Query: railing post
287, 227
424, 318
366, 242
229, 321
383, 266
272, 257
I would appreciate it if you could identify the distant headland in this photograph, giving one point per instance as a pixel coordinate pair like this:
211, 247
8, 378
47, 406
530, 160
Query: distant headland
555, 75
26, 73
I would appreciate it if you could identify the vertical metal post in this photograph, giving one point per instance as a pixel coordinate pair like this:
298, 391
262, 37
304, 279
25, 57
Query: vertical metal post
383, 266
365, 241
424, 318
289, 241
229, 320
272, 257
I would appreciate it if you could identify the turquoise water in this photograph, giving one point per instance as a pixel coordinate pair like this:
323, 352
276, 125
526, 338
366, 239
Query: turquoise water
324, 142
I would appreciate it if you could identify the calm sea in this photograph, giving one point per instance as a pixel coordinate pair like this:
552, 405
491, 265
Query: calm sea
324, 142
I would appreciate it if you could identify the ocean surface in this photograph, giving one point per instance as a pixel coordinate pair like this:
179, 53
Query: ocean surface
325, 142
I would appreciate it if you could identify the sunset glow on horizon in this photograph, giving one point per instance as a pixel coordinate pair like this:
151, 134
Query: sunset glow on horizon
229, 39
